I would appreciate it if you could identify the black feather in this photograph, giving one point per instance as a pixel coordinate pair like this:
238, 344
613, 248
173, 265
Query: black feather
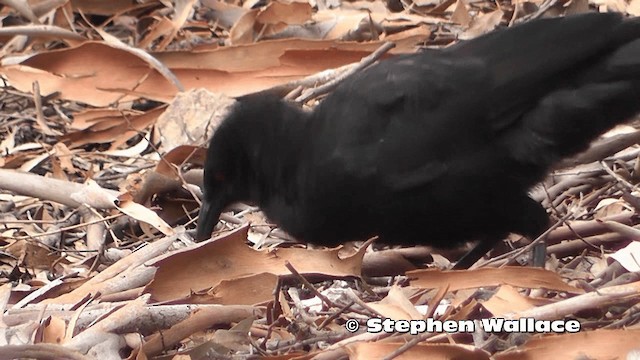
437, 148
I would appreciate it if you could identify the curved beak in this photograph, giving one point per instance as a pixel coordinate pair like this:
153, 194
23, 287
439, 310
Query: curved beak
207, 219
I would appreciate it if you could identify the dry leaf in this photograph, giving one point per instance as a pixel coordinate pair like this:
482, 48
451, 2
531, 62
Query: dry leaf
227, 257
482, 24
507, 300
598, 344
525, 277
378, 350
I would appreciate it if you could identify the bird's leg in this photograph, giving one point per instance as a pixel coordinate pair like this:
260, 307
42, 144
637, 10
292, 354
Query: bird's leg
476, 253
539, 254
531, 221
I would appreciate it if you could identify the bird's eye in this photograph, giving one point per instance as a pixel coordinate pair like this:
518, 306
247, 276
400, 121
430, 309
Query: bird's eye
219, 177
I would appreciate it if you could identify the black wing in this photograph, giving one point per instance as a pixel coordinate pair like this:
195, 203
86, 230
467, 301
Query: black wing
410, 120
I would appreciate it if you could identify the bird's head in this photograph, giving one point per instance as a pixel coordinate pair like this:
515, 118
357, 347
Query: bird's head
245, 154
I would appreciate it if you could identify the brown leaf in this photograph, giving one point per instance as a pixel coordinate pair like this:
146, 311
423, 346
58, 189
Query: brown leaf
227, 257
396, 306
379, 350
98, 74
292, 13
525, 277
598, 344
461, 14
249, 290
482, 24
32, 254
192, 117
507, 300
54, 331
112, 129
144, 214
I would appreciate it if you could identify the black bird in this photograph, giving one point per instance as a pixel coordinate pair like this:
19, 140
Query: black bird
434, 148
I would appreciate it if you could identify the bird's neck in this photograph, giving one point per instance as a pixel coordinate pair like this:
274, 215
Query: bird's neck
275, 157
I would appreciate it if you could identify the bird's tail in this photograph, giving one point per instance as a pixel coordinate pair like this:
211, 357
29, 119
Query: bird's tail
595, 99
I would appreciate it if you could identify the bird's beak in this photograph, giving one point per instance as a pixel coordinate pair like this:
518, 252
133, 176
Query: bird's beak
207, 219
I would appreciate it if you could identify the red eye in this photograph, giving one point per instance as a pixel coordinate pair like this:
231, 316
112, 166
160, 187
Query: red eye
219, 177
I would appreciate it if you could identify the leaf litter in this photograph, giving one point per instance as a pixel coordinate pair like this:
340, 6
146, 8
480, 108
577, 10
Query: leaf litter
105, 110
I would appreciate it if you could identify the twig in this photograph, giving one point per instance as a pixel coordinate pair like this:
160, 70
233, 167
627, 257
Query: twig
308, 285
541, 10
512, 255
335, 315
45, 31
617, 177
40, 351
71, 227
327, 87
602, 149
353, 296
37, 100
408, 345
295, 343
